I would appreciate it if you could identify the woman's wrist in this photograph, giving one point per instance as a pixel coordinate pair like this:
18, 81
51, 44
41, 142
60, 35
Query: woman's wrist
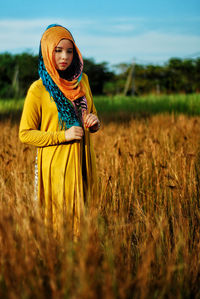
96, 127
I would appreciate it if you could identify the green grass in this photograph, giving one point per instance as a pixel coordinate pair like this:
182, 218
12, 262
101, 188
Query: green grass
150, 104
11, 105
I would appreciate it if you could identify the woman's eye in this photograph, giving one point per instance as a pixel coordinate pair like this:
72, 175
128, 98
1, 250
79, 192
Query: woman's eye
70, 51
57, 50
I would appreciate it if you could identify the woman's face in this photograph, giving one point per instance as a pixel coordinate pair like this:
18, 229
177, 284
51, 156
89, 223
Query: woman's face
63, 54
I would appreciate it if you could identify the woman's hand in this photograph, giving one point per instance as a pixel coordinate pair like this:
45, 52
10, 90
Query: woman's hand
92, 122
74, 133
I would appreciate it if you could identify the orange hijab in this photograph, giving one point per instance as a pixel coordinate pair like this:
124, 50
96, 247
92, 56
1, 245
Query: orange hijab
72, 90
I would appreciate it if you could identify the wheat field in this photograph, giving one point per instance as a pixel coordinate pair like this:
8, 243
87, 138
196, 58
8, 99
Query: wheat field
142, 235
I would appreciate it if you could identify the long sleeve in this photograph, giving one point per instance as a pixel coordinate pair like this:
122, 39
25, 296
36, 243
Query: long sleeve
31, 119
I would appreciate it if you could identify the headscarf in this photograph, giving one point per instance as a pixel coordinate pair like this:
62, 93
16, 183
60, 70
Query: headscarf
67, 93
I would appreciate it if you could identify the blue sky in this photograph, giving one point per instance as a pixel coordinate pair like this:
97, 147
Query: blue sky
112, 31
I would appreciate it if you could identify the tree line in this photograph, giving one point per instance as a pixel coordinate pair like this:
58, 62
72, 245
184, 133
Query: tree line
18, 71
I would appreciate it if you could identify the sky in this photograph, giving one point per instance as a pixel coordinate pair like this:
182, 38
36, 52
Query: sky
107, 30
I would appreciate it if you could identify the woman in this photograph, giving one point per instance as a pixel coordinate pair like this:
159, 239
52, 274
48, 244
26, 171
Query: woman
58, 117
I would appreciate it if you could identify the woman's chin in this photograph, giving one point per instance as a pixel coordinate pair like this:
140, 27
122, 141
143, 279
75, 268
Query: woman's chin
62, 68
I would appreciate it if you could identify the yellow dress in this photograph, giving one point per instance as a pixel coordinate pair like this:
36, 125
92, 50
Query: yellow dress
66, 170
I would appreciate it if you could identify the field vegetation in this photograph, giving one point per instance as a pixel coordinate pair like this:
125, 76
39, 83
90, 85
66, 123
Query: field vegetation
141, 237
188, 104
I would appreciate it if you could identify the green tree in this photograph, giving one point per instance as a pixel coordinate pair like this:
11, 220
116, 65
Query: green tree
17, 72
28, 71
98, 74
7, 66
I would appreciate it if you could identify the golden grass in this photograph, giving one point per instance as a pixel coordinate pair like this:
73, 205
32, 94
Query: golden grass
141, 239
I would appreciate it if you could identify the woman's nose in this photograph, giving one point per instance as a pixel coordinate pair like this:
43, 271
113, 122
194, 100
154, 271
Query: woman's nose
64, 55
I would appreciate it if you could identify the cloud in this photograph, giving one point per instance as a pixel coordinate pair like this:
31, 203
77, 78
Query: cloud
26, 34
114, 40
150, 46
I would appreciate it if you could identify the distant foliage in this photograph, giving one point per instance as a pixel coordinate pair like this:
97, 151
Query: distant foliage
176, 76
17, 72
98, 74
